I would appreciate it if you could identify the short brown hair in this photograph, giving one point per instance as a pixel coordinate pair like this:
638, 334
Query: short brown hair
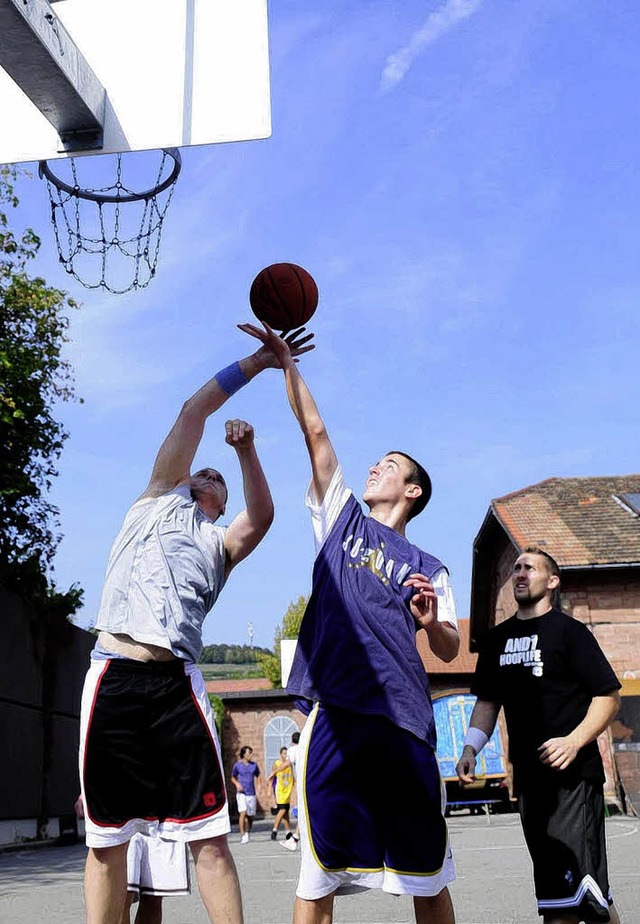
418, 475
552, 564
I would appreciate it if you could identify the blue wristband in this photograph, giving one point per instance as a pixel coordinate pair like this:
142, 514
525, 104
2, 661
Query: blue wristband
231, 379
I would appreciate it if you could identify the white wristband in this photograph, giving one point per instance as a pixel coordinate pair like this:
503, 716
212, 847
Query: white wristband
475, 738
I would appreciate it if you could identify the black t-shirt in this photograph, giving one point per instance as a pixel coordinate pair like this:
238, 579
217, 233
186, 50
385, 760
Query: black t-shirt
544, 671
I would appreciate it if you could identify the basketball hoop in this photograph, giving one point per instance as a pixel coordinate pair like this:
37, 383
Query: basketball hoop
92, 226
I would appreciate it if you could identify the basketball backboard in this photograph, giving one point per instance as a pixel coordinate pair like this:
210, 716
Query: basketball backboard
149, 73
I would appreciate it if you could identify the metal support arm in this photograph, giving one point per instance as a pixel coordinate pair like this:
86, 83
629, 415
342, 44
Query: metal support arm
41, 57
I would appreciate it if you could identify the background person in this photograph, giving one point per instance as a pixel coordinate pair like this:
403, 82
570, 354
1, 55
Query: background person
559, 693
282, 773
292, 837
243, 776
155, 869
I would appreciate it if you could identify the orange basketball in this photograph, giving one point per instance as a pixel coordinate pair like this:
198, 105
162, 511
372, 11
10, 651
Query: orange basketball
284, 296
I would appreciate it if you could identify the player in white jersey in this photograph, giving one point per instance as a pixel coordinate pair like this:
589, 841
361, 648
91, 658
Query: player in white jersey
149, 754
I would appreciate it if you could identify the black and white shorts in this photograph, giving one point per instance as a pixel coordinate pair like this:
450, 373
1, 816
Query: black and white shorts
564, 830
149, 754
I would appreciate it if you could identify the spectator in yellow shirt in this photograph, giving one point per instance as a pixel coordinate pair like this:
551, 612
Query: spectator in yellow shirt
283, 774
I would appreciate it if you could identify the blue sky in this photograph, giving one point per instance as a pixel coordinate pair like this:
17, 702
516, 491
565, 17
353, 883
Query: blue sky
461, 179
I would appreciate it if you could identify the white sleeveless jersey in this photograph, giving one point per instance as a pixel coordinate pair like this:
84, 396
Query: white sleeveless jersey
165, 571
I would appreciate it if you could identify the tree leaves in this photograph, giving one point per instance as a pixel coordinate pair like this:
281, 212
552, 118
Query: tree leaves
33, 379
290, 628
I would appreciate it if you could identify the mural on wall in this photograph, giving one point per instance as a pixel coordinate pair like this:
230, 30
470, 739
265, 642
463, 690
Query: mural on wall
625, 731
626, 726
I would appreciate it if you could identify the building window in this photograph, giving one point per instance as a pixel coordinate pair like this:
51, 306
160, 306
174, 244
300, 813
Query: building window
630, 501
277, 734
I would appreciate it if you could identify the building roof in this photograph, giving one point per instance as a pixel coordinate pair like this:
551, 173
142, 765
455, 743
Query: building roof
465, 663
579, 521
219, 687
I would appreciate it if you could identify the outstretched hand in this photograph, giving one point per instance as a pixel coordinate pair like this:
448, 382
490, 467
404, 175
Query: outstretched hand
276, 352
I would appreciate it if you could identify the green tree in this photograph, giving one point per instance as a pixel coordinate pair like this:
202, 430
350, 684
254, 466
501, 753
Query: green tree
232, 654
33, 378
289, 628
218, 710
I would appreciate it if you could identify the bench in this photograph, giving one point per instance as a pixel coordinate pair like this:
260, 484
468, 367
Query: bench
485, 803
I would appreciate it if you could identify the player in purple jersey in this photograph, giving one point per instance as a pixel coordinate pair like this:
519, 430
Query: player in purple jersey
358, 674
150, 758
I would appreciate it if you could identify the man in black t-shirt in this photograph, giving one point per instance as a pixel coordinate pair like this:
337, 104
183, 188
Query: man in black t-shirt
559, 693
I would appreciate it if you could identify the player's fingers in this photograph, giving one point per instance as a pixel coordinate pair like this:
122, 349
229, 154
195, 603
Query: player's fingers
252, 330
231, 426
465, 772
424, 591
303, 350
296, 333
296, 340
418, 580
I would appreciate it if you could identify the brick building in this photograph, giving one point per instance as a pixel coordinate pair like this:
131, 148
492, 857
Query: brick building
257, 715
591, 526
265, 718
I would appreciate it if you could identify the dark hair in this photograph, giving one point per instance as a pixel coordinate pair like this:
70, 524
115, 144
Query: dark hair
418, 475
295, 737
204, 471
244, 750
552, 564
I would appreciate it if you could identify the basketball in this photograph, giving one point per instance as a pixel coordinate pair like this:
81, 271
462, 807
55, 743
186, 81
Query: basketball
284, 296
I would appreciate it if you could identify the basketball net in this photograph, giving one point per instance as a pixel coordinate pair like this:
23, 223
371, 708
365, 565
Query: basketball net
108, 236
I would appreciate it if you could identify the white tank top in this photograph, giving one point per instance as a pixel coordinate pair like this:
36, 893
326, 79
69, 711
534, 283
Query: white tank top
165, 571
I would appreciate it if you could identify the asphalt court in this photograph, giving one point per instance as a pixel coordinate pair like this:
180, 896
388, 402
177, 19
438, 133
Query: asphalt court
494, 885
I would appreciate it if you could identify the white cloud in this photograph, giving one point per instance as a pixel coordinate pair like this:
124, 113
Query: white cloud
436, 25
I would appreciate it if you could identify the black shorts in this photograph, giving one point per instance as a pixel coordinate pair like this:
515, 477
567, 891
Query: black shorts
564, 830
149, 751
283, 806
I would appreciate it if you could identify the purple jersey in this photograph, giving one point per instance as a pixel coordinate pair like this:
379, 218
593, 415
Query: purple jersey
357, 642
246, 775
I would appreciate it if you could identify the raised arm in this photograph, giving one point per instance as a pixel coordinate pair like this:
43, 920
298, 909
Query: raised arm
321, 453
250, 526
173, 462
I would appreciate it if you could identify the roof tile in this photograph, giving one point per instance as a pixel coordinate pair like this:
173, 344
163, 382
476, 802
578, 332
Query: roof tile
580, 521
237, 686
